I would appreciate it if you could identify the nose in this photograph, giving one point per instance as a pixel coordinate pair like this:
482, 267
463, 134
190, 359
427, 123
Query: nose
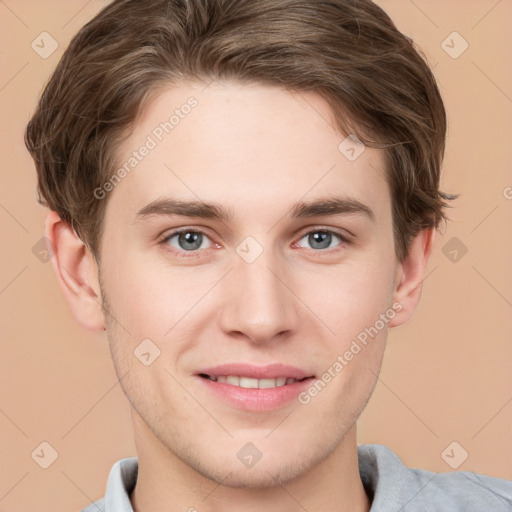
258, 302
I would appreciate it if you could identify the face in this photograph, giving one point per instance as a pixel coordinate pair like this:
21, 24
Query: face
283, 264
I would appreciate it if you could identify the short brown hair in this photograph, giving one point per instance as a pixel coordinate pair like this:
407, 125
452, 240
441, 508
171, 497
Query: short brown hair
378, 85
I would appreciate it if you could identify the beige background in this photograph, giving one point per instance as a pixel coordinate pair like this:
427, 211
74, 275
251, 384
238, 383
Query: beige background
446, 375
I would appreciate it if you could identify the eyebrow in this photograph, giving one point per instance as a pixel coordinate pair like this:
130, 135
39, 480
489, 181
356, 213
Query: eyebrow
215, 211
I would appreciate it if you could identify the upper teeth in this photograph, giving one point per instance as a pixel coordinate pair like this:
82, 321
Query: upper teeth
247, 382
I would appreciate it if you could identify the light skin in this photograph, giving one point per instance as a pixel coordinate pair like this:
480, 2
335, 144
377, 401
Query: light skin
256, 151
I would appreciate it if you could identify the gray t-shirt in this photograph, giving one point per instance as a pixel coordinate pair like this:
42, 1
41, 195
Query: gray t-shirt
391, 486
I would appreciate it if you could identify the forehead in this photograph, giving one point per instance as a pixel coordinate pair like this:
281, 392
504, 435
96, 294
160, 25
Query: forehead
249, 147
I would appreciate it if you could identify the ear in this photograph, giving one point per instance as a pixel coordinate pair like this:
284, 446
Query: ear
410, 275
76, 271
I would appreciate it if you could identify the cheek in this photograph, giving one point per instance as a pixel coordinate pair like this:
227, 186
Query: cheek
360, 318
148, 299
352, 357
351, 298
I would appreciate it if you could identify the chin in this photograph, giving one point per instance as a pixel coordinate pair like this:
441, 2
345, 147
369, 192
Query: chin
265, 476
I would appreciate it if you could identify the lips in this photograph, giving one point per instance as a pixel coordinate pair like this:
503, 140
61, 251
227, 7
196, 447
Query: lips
272, 371
255, 388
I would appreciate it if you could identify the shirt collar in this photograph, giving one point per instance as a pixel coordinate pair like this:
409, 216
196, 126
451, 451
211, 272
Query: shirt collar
380, 469
120, 484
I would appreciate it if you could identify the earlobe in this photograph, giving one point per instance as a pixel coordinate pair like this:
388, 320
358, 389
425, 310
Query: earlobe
411, 275
77, 273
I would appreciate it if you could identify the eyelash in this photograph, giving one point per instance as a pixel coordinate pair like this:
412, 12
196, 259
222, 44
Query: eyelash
196, 253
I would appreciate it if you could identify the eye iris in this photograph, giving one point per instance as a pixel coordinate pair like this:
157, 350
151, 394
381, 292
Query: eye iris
189, 237
321, 237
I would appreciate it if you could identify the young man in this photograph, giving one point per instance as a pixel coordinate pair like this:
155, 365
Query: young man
244, 195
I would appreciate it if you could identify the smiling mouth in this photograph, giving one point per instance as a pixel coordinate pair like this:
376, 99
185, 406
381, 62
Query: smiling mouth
252, 383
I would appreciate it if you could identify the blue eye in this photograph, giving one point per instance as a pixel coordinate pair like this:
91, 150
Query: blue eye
322, 239
187, 240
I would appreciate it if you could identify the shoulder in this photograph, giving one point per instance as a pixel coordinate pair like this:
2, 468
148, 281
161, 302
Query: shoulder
464, 491
392, 483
